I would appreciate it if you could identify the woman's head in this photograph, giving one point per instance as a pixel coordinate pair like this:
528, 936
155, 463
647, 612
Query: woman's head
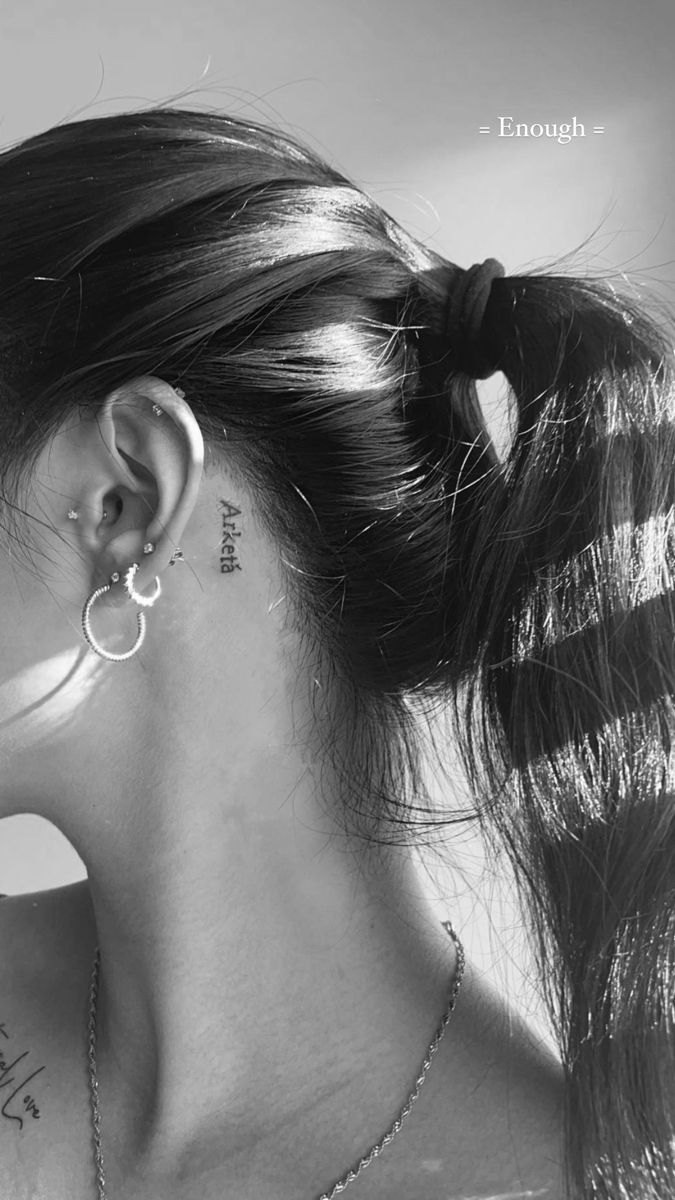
287, 306
306, 329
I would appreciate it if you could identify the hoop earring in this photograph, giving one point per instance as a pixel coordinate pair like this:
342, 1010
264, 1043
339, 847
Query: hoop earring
88, 633
143, 601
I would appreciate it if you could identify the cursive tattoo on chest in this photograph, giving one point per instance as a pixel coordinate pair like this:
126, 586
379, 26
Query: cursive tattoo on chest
8, 1077
228, 546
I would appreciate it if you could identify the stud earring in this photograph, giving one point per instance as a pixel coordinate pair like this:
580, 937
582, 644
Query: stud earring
148, 547
177, 556
73, 514
158, 411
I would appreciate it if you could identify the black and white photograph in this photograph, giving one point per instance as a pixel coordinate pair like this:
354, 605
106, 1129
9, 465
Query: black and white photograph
337, 600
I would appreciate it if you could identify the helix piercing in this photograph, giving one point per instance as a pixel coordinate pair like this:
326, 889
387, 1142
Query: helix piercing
143, 601
158, 411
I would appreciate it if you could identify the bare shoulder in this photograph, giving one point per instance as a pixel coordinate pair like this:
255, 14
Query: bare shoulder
41, 1015
39, 930
506, 1092
44, 938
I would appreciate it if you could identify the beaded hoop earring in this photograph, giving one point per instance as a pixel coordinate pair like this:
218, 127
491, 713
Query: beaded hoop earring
142, 601
88, 633
136, 597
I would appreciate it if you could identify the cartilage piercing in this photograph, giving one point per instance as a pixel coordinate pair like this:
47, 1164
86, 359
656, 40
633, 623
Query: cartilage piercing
73, 514
143, 601
158, 411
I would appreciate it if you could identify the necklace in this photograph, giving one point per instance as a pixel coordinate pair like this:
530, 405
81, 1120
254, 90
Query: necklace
363, 1162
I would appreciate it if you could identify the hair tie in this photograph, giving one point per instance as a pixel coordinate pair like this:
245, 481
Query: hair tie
464, 313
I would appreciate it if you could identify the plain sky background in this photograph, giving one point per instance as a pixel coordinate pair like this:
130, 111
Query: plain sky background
393, 94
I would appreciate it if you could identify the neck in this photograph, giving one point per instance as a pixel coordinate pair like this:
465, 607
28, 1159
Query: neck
269, 986
261, 973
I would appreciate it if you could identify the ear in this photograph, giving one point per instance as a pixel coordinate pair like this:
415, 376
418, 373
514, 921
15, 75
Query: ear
141, 461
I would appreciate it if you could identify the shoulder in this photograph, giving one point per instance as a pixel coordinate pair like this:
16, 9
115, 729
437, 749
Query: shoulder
41, 1040
489, 1120
46, 940
43, 955
41, 929
506, 1094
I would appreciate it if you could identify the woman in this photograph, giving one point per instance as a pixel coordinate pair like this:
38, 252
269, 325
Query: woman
256, 536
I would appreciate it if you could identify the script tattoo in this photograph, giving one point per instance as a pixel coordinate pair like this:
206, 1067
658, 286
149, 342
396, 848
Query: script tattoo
228, 546
5, 1067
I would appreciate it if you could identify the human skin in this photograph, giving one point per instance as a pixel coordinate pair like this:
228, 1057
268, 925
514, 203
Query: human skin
268, 986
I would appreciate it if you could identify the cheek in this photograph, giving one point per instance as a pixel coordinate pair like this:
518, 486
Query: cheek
40, 702
46, 711
46, 671
42, 587
35, 622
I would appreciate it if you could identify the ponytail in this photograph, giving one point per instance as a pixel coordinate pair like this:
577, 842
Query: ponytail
565, 726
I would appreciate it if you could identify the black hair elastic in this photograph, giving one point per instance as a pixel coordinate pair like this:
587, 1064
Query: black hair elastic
465, 310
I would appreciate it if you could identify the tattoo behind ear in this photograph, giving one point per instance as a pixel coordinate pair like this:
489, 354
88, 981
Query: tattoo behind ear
228, 546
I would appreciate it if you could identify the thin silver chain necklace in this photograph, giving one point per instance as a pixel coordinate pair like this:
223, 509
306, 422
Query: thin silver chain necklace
364, 1162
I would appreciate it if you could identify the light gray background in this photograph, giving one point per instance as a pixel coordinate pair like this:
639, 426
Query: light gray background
394, 93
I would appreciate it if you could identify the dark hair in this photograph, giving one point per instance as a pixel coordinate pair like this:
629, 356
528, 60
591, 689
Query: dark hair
532, 594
